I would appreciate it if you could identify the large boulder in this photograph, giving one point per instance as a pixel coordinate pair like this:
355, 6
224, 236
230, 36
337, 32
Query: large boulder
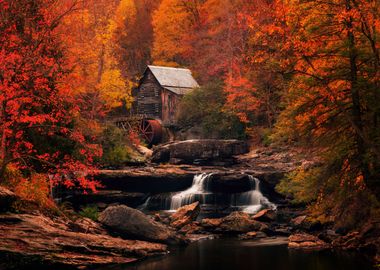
236, 222
198, 151
131, 222
185, 214
7, 197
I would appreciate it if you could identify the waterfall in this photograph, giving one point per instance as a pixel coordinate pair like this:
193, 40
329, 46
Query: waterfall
250, 201
197, 192
253, 200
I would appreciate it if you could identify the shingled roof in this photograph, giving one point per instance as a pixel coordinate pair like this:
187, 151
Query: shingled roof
176, 80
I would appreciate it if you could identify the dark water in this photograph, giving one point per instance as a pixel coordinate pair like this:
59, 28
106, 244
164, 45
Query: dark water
250, 255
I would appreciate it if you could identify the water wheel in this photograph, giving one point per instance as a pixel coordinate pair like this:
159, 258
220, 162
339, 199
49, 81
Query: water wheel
151, 131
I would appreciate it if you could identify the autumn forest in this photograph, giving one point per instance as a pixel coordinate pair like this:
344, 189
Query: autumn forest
291, 86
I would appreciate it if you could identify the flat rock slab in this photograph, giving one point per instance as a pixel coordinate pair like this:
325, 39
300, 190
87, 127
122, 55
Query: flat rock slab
306, 241
106, 197
147, 179
236, 222
35, 239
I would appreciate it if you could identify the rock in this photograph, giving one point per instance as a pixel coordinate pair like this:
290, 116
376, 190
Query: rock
132, 199
229, 182
146, 180
211, 223
7, 197
131, 222
306, 241
266, 215
239, 222
283, 231
261, 235
236, 222
297, 221
305, 223
185, 214
248, 235
144, 151
40, 240
198, 237
206, 150
192, 228
350, 241
328, 236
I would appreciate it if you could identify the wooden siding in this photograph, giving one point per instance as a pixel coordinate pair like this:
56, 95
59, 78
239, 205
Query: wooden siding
170, 103
149, 97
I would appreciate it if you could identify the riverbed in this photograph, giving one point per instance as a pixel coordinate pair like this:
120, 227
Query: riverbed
268, 254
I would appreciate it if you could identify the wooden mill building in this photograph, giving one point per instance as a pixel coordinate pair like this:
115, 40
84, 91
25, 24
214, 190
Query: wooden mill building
160, 90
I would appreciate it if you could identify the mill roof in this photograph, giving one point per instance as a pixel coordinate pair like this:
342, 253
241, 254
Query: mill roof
177, 80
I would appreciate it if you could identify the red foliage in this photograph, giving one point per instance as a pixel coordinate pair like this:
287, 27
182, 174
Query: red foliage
37, 108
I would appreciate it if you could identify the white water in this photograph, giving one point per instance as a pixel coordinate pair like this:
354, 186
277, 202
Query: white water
197, 191
250, 202
145, 204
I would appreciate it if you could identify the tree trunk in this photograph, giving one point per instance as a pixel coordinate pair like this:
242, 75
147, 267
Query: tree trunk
361, 147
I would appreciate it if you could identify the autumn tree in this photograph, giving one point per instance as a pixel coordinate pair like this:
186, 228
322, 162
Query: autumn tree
174, 23
333, 97
133, 36
37, 106
97, 78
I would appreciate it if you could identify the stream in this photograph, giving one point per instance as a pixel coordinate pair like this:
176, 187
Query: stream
270, 254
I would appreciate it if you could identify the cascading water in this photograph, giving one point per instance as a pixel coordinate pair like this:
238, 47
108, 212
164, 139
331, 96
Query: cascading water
197, 192
252, 201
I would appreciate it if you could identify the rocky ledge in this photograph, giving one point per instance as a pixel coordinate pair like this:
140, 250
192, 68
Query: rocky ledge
36, 239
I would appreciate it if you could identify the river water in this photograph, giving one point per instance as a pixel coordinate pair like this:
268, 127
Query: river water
230, 253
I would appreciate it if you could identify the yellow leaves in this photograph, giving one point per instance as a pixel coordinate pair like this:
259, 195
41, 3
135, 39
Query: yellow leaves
36, 188
171, 23
125, 11
166, 63
114, 90
95, 69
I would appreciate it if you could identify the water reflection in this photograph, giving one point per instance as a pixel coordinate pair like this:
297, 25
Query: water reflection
249, 255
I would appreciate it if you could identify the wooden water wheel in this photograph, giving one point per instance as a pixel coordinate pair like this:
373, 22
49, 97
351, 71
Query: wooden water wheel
151, 131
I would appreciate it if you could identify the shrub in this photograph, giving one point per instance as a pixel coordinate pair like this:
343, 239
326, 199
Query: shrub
90, 212
115, 149
35, 188
204, 107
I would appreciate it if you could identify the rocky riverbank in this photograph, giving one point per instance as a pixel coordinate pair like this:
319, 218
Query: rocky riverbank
49, 240
123, 234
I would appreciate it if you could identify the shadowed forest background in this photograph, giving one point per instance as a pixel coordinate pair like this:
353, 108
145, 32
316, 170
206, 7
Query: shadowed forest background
297, 73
